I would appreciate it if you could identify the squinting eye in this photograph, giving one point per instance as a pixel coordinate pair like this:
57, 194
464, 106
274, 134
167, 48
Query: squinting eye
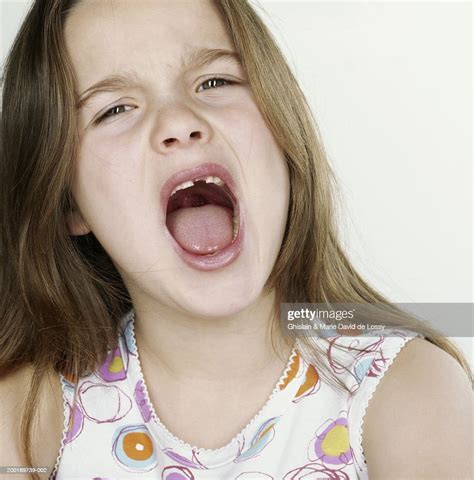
212, 83
113, 112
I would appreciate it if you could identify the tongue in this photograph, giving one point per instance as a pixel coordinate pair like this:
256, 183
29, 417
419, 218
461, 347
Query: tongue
201, 230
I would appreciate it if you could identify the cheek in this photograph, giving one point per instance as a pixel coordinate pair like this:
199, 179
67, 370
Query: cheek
110, 162
113, 153
266, 180
104, 170
255, 148
266, 171
273, 202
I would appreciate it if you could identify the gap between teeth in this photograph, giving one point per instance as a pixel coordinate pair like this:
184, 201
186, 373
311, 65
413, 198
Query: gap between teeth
190, 183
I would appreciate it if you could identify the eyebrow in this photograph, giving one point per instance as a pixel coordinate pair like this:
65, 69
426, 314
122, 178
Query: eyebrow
190, 60
200, 57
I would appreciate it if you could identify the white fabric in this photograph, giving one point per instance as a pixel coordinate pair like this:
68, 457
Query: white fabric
306, 430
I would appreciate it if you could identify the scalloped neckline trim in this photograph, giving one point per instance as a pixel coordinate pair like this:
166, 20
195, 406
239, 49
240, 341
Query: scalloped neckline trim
225, 454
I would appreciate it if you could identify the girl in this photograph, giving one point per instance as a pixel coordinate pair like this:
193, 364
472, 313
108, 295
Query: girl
164, 190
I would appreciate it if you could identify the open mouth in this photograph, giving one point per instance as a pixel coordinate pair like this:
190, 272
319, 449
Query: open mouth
202, 216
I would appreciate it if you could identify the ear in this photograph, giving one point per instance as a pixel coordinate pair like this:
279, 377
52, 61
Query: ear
76, 224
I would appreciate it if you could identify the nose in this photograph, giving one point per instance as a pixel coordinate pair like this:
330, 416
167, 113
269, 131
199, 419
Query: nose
178, 127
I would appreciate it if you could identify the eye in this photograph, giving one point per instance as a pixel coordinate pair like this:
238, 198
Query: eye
113, 112
215, 82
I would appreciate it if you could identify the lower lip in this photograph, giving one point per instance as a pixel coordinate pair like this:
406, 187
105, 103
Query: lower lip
219, 259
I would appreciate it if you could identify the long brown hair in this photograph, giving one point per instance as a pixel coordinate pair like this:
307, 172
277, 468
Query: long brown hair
61, 296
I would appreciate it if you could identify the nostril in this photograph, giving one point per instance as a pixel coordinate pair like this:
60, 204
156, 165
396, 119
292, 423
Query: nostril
169, 141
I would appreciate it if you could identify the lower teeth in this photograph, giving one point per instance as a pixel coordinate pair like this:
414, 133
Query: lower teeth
235, 222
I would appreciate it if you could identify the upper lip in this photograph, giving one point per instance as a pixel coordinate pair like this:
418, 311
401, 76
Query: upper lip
202, 170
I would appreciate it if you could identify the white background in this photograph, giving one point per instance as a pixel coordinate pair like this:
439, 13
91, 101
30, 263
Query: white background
390, 84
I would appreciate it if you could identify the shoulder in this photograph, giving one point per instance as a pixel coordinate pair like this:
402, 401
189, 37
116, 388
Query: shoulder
418, 423
46, 443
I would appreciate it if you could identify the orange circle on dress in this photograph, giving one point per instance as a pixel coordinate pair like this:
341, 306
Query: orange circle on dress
137, 446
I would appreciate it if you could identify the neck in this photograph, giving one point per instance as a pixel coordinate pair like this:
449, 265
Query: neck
211, 351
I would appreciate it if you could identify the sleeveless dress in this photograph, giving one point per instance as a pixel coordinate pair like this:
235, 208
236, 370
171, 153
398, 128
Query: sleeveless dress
307, 429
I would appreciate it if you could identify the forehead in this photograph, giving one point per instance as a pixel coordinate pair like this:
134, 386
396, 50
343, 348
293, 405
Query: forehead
104, 36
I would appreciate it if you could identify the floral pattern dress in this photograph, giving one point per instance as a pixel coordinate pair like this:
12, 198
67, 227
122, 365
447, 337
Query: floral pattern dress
307, 429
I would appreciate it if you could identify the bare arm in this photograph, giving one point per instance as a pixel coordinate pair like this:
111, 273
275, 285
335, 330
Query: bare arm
13, 390
418, 424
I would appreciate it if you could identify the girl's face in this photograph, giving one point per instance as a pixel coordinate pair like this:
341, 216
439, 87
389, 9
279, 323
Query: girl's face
175, 115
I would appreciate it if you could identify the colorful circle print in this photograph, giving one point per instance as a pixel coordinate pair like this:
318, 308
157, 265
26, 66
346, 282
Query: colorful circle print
75, 423
113, 368
332, 445
133, 448
177, 473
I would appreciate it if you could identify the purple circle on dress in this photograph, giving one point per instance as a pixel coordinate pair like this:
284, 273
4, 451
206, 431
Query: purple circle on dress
177, 473
113, 368
76, 423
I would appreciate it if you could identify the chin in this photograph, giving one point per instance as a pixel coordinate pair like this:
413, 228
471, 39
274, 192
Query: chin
221, 296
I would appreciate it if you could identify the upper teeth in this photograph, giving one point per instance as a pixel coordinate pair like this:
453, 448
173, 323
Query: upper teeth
215, 180
182, 186
190, 183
